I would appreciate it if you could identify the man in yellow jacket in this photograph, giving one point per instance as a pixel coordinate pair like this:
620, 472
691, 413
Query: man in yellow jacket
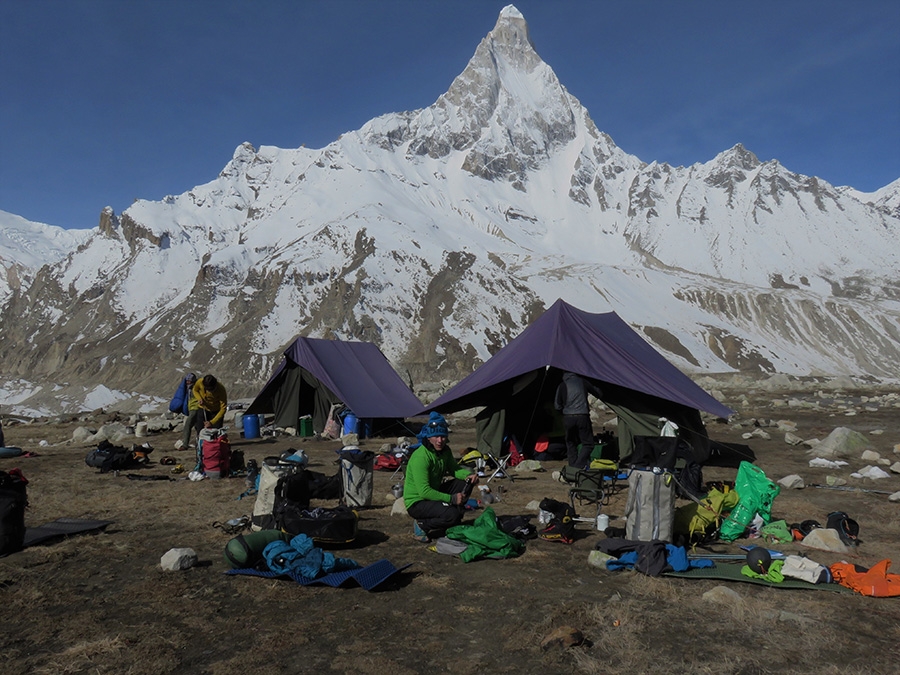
212, 399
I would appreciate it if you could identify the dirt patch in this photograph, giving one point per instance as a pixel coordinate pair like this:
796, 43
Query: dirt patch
100, 603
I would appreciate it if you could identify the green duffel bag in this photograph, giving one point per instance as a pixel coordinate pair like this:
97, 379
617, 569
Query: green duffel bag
246, 550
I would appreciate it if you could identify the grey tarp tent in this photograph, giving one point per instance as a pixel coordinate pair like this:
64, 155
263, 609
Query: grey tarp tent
515, 387
315, 374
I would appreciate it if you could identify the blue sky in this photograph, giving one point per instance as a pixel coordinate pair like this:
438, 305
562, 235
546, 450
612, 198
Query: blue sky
106, 101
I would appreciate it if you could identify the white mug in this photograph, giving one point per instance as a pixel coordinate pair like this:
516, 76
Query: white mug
602, 522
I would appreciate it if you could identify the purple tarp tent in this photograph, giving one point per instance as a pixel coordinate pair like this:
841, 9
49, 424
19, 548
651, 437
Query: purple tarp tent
601, 347
316, 373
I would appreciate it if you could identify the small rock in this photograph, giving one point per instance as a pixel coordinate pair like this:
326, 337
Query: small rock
895, 467
873, 473
398, 508
824, 539
528, 465
722, 595
835, 480
870, 456
564, 636
82, 434
786, 425
176, 559
895, 497
792, 439
793, 481
533, 505
876, 432
761, 433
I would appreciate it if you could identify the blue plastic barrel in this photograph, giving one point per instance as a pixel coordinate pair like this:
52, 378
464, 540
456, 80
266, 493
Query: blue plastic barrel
351, 423
251, 426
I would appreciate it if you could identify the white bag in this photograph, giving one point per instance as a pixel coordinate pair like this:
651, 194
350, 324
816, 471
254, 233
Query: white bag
797, 567
271, 470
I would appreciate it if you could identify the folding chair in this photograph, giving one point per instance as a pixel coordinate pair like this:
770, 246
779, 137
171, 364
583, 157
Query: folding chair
500, 471
590, 487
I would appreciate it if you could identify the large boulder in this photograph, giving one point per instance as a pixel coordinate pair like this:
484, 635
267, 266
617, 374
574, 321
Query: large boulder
842, 442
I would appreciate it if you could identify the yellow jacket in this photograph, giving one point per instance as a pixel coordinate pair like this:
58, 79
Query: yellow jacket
213, 402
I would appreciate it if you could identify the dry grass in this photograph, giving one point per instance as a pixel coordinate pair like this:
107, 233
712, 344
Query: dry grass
100, 604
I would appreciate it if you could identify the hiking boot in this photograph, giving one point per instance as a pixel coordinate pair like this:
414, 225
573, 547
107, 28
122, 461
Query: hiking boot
419, 534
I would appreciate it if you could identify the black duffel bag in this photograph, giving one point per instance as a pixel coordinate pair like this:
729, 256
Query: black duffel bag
337, 525
108, 457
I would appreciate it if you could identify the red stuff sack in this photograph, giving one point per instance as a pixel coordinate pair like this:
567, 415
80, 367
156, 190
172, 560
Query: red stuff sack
216, 457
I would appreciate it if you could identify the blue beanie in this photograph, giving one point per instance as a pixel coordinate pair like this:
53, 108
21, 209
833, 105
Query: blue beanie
435, 426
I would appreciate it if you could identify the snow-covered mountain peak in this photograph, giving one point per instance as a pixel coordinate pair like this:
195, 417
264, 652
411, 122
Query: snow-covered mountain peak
510, 36
440, 233
737, 157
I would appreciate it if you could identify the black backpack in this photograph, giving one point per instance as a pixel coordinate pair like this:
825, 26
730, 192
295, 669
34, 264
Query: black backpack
291, 499
13, 500
322, 486
848, 529
659, 452
108, 457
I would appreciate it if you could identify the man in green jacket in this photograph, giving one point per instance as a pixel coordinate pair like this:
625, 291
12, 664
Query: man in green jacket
436, 487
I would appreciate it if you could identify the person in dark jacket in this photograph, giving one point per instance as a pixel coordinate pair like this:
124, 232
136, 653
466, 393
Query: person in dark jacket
184, 402
572, 400
182, 396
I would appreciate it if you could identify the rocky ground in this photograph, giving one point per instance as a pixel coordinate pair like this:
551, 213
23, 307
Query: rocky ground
101, 603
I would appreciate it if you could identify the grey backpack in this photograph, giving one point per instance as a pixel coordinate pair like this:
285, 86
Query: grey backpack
357, 476
650, 510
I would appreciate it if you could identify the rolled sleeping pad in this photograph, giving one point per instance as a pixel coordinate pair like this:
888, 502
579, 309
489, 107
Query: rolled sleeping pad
246, 550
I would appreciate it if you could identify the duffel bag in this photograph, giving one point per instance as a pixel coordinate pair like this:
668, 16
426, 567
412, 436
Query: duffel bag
324, 526
108, 457
13, 500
